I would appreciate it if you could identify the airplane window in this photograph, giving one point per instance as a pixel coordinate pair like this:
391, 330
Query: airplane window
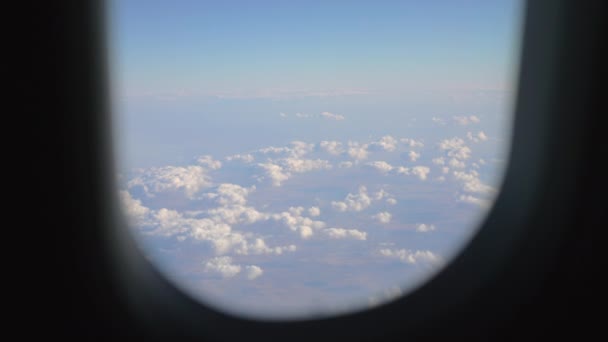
297, 159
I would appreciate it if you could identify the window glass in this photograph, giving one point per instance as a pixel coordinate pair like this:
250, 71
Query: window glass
295, 159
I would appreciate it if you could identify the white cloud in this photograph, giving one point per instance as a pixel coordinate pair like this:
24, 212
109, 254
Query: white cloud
237, 214
259, 247
386, 296
438, 121
383, 217
222, 265
345, 165
332, 116
356, 151
414, 156
228, 193
457, 164
381, 194
314, 211
135, 211
472, 183
302, 115
403, 170
391, 201
299, 148
273, 150
411, 257
412, 143
466, 120
456, 148
381, 166
253, 271
480, 136
283, 115
215, 228
354, 202
189, 179
421, 171
438, 161
474, 200
294, 220
332, 147
208, 162
343, 233
275, 173
246, 158
305, 165
424, 228
386, 143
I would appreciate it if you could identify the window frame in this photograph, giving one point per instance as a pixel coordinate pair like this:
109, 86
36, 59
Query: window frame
500, 270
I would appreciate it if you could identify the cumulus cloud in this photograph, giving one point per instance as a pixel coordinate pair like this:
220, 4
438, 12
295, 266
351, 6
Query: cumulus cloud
345, 165
383, 217
455, 148
474, 200
411, 257
466, 120
412, 142
332, 116
480, 136
281, 169
299, 148
357, 151
385, 296
296, 222
314, 211
208, 162
386, 143
421, 171
275, 173
391, 201
222, 265
189, 179
438, 121
438, 161
343, 233
457, 164
353, 202
472, 183
381, 166
402, 170
273, 150
332, 147
215, 227
253, 271
304, 165
414, 156
296, 149
424, 228
227, 193
135, 211
245, 158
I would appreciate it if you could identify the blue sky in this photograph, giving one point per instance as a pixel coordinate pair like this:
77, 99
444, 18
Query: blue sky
340, 151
